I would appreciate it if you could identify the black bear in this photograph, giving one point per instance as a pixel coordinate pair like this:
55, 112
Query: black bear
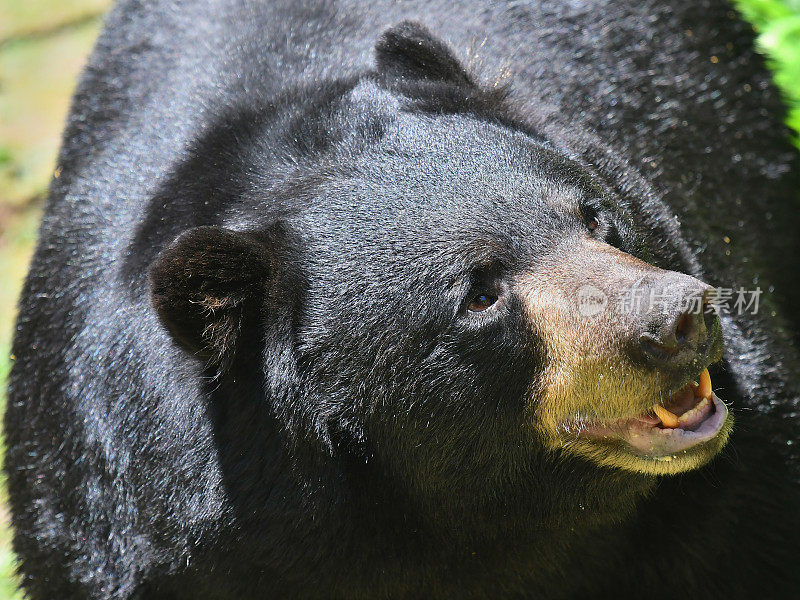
340, 299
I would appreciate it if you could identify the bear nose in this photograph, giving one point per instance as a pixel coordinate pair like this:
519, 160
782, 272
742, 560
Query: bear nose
678, 335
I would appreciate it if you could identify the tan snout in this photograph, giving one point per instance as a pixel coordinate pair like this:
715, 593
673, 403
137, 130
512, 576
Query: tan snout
616, 332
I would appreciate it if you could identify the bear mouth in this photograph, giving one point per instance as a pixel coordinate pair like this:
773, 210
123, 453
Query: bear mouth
691, 417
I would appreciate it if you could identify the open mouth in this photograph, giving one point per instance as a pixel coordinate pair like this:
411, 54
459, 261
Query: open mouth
691, 417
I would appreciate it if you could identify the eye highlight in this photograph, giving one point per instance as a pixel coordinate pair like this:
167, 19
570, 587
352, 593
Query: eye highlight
590, 212
481, 302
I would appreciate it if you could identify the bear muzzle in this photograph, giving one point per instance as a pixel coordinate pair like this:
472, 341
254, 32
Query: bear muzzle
628, 346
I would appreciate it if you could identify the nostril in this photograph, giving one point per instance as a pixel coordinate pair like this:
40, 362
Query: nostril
652, 348
685, 329
673, 336
681, 334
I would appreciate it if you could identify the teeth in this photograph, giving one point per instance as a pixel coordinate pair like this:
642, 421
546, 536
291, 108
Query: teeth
667, 418
703, 388
695, 412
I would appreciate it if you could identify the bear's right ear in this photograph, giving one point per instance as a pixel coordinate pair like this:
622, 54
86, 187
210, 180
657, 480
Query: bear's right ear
409, 51
207, 285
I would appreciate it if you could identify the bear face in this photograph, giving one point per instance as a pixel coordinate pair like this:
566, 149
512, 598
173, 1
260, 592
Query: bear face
414, 282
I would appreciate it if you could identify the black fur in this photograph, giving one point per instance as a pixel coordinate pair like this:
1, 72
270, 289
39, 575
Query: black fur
409, 51
336, 427
206, 285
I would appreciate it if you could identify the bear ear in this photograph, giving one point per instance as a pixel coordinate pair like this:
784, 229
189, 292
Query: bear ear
207, 286
408, 50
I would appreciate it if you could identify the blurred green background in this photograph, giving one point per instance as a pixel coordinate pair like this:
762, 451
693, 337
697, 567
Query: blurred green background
43, 44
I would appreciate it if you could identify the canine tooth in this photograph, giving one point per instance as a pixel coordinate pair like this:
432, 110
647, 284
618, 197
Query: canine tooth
704, 387
667, 418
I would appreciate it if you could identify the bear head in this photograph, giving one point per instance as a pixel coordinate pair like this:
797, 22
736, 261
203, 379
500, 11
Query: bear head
422, 280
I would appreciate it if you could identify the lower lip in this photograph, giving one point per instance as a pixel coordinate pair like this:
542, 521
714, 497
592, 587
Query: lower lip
652, 441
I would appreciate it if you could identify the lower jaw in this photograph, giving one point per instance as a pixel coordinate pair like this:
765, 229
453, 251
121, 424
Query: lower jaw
644, 448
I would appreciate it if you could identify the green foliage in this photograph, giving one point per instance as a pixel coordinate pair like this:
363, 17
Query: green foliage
778, 24
5, 155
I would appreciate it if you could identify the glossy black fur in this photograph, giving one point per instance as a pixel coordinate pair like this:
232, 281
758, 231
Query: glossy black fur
341, 431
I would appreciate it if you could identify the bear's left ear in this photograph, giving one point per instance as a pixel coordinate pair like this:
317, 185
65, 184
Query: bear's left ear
410, 51
208, 285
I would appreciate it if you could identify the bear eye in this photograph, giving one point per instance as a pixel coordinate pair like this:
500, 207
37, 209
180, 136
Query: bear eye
592, 223
481, 302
